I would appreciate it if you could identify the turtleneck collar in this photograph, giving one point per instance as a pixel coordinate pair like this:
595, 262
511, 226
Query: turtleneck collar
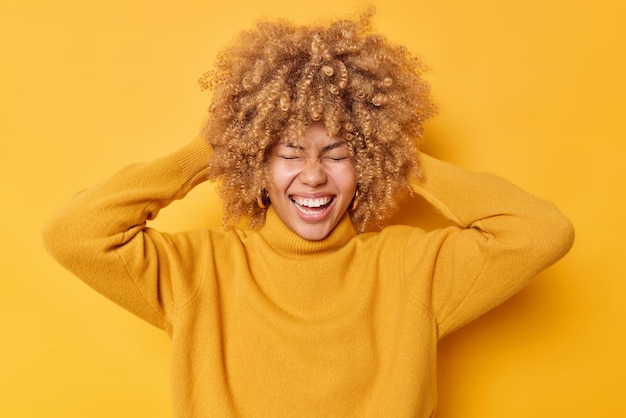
288, 243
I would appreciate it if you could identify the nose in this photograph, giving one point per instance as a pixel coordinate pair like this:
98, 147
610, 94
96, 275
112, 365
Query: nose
313, 174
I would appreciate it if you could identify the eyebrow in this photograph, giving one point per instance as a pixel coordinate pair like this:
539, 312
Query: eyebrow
325, 149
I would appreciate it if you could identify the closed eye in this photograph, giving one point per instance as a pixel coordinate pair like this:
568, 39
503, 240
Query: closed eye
336, 154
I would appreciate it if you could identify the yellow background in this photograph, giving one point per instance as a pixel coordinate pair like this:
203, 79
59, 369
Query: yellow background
533, 91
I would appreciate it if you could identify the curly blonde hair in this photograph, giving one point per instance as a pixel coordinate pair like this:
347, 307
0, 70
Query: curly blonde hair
278, 78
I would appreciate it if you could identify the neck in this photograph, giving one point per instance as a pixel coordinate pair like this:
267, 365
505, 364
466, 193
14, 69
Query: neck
288, 243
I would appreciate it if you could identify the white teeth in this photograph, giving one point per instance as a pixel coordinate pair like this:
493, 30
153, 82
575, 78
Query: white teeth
312, 203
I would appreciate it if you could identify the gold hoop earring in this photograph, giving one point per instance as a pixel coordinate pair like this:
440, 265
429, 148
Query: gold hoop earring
263, 198
355, 201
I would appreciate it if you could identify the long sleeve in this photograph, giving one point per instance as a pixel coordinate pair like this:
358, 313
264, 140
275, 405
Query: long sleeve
502, 238
101, 235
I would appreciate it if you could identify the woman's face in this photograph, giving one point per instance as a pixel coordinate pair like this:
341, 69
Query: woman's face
313, 182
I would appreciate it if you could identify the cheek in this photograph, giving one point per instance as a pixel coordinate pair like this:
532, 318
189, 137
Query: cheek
346, 179
278, 177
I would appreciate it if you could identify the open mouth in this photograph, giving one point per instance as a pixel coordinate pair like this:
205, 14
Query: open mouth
312, 206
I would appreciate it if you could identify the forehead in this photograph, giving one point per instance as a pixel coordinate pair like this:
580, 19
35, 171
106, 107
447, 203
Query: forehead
314, 137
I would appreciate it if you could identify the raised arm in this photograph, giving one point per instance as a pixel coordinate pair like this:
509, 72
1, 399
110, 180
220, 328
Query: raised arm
503, 237
101, 234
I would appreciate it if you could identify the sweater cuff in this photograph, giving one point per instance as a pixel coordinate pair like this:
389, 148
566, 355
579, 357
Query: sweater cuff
434, 185
194, 160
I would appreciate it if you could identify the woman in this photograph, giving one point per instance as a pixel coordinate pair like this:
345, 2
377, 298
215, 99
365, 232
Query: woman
311, 137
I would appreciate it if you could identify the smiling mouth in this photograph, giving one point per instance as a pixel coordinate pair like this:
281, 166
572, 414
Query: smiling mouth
312, 206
